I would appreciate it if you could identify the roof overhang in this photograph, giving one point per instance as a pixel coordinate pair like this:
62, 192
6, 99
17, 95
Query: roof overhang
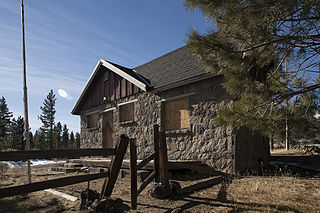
139, 81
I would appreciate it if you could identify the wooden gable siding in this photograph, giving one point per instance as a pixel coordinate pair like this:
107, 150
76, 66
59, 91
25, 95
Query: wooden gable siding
113, 89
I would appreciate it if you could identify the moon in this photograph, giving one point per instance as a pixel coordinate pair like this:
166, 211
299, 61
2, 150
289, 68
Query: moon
62, 93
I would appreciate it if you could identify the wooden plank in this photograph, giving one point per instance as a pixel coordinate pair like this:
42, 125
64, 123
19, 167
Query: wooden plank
38, 186
201, 185
156, 151
123, 88
107, 90
133, 173
172, 165
117, 86
163, 158
146, 161
48, 154
176, 114
115, 166
135, 89
129, 88
112, 90
146, 182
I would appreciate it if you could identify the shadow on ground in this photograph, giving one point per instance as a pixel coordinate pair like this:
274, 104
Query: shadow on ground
222, 201
26, 205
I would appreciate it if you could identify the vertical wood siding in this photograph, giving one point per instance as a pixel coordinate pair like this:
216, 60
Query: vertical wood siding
113, 89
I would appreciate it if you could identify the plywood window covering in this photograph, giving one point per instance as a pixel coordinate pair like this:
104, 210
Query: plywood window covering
92, 120
175, 114
126, 112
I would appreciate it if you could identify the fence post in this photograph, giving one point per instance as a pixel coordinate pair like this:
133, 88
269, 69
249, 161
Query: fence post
156, 150
163, 156
133, 173
115, 166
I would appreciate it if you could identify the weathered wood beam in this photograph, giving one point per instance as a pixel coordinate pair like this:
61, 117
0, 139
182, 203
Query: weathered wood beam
133, 173
156, 151
115, 167
146, 161
201, 185
48, 154
163, 157
146, 182
38, 186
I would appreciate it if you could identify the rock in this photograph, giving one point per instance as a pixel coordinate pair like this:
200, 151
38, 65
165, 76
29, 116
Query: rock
160, 191
88, 197
107, 205
177, 210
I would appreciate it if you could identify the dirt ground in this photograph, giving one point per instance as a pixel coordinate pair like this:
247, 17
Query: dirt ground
272, 193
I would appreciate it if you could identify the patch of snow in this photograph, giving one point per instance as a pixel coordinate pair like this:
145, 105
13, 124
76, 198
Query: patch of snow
66, 196
34, 163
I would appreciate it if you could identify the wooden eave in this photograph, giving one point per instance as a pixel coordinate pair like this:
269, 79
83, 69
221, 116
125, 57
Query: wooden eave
140, 82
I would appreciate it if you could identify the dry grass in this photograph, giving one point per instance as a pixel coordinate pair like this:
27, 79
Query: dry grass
276, 194
295, 152
247, 194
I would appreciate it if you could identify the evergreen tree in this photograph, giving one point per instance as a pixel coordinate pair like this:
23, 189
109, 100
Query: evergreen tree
65, 137
16, 137
267, 52
32, 146
72, 142
39, 140
78, 140
5, 119
58, 136
36, 141
47, 119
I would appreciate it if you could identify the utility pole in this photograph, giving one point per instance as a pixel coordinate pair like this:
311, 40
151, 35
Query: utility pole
287, 105
25, 96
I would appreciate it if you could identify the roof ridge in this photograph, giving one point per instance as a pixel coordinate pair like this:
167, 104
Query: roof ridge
169, 53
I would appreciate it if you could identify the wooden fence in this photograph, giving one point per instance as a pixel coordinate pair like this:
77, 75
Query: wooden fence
110, 177
159, 156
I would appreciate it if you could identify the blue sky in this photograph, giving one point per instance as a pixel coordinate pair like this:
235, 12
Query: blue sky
66, 38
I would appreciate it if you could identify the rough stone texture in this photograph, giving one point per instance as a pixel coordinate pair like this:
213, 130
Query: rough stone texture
160, 191
201, 141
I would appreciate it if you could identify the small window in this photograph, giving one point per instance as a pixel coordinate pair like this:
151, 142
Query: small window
126, 112
106, 76
92, 120
175, 114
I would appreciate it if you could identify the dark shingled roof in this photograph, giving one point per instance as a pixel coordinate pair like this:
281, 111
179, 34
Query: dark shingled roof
175, 68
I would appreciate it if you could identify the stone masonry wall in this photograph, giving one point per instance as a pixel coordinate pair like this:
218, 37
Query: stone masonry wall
202, 141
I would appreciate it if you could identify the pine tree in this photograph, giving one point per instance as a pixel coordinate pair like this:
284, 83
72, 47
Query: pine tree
58, 136
16, 137
250, 44
5, 120
72, 141
32, 146
47, 118
65, 137
78, 140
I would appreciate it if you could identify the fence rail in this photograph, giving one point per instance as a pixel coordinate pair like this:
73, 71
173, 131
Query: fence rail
59, 182
48, 154
110, 176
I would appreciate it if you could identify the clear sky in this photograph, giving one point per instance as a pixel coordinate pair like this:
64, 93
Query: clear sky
66, 38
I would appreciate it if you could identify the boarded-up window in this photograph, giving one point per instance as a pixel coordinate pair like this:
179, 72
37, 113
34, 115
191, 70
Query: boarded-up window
92, 120
126, 112
175, 114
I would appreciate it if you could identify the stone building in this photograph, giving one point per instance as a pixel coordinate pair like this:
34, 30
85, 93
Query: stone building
175, 92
